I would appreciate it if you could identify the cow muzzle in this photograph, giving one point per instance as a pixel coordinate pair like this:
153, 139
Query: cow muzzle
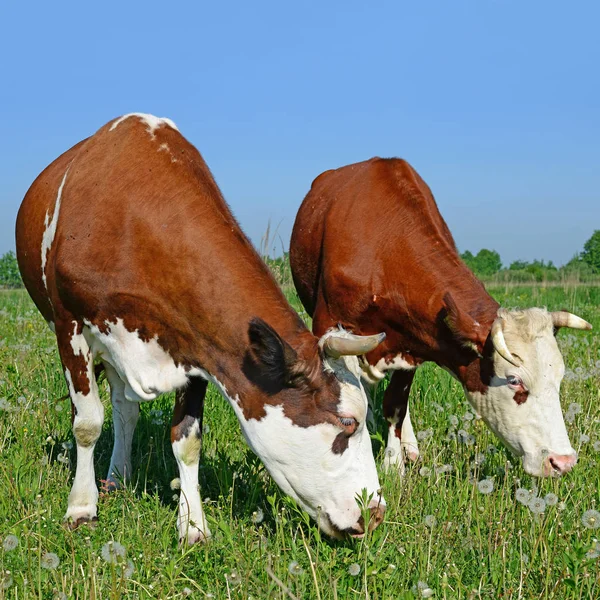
376, 514
559, 464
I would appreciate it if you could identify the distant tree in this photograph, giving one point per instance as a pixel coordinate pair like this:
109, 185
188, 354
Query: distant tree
468, 259
484, 264
9, 271
518, 265
591, 252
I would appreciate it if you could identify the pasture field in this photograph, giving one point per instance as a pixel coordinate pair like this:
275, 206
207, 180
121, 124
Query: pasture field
446, 535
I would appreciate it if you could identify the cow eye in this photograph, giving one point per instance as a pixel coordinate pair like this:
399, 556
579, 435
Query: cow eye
514, 381
348, 422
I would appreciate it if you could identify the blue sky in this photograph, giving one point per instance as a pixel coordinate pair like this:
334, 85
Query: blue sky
495, 102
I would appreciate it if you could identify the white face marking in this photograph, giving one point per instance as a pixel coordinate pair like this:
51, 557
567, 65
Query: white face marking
301, 459
151, 122
50, 228
376, 372
191, 521
146, 369
536, 427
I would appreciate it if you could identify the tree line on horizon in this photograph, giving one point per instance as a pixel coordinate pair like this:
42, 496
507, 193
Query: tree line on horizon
486, 264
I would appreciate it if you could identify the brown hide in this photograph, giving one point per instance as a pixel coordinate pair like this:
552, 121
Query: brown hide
371, 251
144, 235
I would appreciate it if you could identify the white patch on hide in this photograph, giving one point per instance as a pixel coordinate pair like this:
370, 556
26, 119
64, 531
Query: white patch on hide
376, 372
152, 122
50, 228
146, 369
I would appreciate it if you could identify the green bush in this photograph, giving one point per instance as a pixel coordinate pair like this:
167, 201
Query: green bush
9, 271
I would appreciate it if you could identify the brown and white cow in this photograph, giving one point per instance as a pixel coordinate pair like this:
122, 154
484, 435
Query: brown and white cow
131, 254
371, 251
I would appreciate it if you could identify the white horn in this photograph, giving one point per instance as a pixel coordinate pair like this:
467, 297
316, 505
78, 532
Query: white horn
500, 346
349, 344
562, 318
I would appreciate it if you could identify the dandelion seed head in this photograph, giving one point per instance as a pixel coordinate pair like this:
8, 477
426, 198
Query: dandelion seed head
186, 591
424, 590
10, 542
486, 486
128, 571
537, 505
596, 446
574, 407
584, 439
113, 552
430, 521
453, 420
591, 519
594, 551
49, 561
354, 569
257, 516
523, 496
294, 568
551, 499
234, 578
175, 484
6, 580
479, 458
424, 435
424, 471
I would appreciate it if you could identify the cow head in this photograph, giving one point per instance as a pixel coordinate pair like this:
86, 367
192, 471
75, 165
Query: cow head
522, 368
311, 430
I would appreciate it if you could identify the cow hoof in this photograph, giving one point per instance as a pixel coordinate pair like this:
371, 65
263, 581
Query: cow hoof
411, 452
80, 515
195, 536
74, 524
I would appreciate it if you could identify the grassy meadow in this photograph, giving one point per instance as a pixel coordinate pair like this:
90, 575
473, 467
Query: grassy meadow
446, 534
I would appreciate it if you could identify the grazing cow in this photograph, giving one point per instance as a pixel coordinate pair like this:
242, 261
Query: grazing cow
370, 251
132, 256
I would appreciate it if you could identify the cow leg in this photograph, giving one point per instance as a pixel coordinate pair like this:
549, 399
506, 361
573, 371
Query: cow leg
88, 416
401, 437
186, 439
125, 417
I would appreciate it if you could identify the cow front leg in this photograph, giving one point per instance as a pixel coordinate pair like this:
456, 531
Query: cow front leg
401, 436
186, 439
87, 418
125, 418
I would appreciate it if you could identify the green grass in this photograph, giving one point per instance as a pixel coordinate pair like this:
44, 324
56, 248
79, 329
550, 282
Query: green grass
481, 546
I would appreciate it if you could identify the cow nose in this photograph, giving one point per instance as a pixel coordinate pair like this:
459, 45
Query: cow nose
375, 519
561, 463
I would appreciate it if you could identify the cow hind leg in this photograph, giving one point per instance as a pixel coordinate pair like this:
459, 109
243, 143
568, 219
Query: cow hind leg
402, 441
125, 418
186, 439
88, 417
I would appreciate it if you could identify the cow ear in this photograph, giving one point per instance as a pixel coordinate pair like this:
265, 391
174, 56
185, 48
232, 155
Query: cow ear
463, 326
270, 362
